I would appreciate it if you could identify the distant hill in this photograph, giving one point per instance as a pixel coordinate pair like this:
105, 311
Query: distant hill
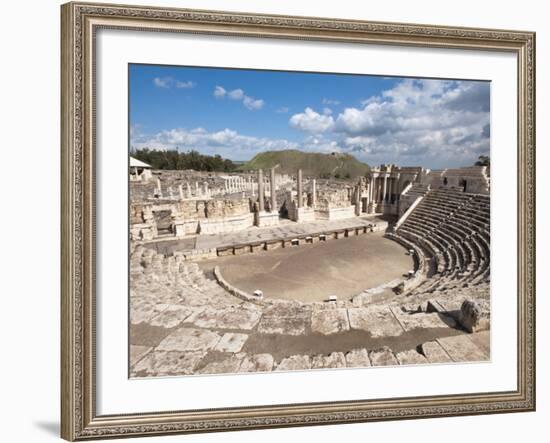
334, 165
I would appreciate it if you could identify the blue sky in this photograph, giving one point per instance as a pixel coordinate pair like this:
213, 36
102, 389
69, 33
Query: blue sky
238, 113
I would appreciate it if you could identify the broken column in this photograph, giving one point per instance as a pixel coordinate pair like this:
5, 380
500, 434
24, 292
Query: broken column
313, 193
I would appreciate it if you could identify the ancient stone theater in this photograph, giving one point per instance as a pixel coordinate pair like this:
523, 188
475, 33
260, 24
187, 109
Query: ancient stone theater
265, 271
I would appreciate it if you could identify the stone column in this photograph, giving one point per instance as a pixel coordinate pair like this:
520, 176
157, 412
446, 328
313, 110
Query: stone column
188, 190
358, 199
371, 189
159, 187
300, 189
273, 191
180, 189
385, 194
313, 193
205, 189
261, 190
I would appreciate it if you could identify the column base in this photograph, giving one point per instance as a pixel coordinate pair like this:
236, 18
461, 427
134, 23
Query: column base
265, 219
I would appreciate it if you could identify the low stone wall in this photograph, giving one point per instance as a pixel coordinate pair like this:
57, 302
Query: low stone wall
233, 290
340, 213
291, 241
226, 224
419, 261
197, 254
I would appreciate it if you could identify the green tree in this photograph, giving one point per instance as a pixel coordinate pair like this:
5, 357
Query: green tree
483, 160
175, 160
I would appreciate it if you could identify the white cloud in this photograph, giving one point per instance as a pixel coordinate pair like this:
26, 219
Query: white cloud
227, 142
311, 121
219, 92
252, 103
169, 82
238, 94
424, 122
162, 82
328, 101
327, 111
282, 110
185, 85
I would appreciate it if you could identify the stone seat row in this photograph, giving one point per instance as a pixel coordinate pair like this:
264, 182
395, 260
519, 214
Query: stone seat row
453, 229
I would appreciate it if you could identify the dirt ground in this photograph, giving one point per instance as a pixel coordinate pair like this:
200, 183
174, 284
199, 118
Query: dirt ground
312, 272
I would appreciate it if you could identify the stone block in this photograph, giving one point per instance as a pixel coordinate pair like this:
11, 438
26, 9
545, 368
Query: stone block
162, 363
294, 362
378, 321
461, 349
189, 339
358, 358
172, 316
136, 352
234, 317
330, 321
411, 357
228, 365
421, 320
334, 360
383, 357
231, 342
257, 363
472, 318
434, 352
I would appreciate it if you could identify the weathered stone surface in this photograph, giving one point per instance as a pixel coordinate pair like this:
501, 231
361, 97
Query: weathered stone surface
141, 310
172, 316
284, 317
330, 321
161, 363
238, 317
410, 357
421, 320
295, 362
257, 363
189, 339
283, 325
378, 321
383, 357
460, 348
280, 308
434, 352
482, 340
136, 352
358, 358
472, 317
231, 342
228, 365
334, 360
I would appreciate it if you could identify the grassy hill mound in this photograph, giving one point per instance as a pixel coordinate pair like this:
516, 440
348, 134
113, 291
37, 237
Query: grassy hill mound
334, 165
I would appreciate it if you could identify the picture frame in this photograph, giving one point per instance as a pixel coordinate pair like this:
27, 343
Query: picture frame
80, 23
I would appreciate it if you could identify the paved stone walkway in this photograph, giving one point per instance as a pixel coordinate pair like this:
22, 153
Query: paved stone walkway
183, 323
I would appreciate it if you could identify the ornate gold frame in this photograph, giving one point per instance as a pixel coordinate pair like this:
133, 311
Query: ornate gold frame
79, 420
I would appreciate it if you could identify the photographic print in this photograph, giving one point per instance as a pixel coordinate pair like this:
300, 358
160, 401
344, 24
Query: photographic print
284, 221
